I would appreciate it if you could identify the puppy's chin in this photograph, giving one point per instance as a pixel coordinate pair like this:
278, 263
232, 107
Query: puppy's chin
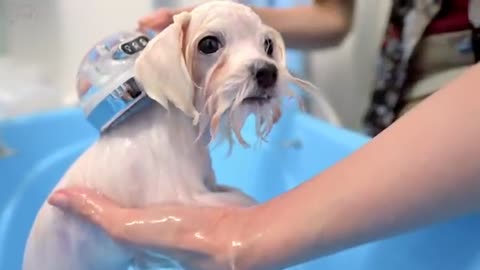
231, 115
266, 113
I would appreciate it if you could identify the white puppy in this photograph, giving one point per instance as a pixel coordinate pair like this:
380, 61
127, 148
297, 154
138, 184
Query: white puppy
207, 72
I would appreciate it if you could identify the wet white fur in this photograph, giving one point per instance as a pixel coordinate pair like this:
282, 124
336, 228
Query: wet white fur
160, 154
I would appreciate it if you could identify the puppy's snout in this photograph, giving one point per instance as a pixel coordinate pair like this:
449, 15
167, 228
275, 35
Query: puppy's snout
266, 76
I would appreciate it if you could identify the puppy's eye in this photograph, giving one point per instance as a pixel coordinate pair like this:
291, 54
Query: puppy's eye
209, 44
268, 46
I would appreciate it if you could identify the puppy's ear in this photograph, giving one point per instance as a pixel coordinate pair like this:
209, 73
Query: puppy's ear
279, 46
162, 71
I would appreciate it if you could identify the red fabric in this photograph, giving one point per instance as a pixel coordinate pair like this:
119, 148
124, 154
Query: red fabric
453, 16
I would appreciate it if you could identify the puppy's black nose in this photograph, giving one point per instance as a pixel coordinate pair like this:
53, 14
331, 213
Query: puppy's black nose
266, 76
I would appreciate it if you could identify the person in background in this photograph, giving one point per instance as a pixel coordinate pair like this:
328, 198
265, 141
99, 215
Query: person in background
427, 43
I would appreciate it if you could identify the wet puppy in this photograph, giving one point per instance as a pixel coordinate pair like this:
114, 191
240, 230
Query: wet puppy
206, 73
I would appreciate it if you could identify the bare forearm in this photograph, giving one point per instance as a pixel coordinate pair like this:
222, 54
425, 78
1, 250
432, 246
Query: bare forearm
311, 27
421, 170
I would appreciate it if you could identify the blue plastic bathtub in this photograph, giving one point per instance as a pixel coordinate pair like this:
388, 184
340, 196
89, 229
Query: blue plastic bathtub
44, 145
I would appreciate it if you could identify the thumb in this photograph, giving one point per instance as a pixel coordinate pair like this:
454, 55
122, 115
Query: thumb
90, 205
157, 20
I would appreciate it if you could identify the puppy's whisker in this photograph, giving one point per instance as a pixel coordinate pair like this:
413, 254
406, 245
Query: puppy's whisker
225, 133
305, 85
223, 93
266, 125
238, 121
200, 88
204, 118
208, 104
204, 121
242, 95
214, 125
292, 95
230, 144
313, 91
258, 122
260, 132
234, 108
214, 69
223, 107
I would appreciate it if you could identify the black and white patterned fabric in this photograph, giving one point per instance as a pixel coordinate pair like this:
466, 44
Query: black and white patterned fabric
408, 21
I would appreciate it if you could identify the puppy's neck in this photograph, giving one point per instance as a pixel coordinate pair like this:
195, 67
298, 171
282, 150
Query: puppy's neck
159, 126
156, 148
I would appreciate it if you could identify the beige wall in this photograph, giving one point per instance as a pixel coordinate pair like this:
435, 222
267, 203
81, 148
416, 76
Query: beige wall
346, 74
2, 28
55, 34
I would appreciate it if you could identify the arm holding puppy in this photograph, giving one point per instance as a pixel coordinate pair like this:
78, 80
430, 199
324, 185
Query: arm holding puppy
322, 24
422, 169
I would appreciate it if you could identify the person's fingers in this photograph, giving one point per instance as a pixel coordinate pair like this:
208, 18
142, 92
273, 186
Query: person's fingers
152, 17
157, 20
93, 207
156, 25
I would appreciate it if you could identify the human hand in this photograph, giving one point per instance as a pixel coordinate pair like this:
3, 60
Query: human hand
198, 238
157, 20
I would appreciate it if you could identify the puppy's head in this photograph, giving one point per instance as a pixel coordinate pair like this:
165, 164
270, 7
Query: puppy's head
218, 64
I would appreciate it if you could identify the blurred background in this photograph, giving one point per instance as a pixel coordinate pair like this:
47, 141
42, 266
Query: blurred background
43, 42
